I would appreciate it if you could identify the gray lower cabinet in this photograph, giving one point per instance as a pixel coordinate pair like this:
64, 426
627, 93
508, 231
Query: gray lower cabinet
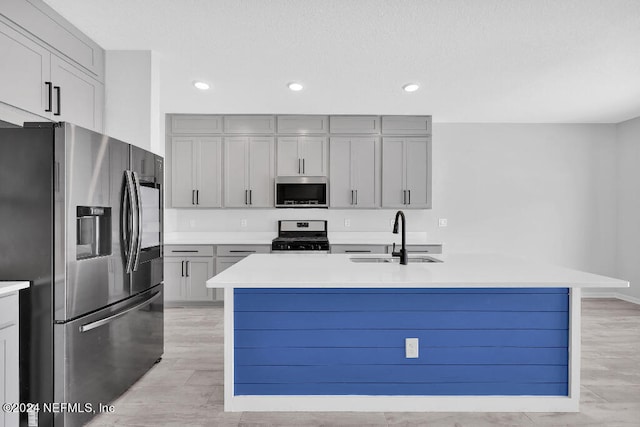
227, 255
406, 172
196, 172
249, 172
354, 172
186, 270
358, 249
302, 156
9, 381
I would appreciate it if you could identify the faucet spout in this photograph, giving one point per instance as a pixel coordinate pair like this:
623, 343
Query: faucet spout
404, 259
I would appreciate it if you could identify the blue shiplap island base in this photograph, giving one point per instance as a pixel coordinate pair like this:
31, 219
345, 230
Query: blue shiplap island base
496, 342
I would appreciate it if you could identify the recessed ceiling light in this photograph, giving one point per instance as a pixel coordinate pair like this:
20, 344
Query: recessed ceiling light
294, 86
411, 87
201, 85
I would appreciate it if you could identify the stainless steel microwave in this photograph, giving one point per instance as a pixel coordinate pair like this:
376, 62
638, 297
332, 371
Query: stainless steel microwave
302, 192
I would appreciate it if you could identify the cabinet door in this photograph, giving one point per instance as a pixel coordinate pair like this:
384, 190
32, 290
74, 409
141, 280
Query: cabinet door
417, 172
24, 71
313, 152
393, 173
174, 273
261, 172
209, 173
288, 160
9, 382
183, 172
340, 190
364, 175
199, 270
79, 99
236, 182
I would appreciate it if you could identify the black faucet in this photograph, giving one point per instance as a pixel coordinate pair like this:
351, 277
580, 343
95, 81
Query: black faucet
404, 259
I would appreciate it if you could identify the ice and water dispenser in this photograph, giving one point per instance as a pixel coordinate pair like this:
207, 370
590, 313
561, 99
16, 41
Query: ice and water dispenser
93, 234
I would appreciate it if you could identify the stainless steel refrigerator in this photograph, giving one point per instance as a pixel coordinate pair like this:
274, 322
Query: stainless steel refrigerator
81, 219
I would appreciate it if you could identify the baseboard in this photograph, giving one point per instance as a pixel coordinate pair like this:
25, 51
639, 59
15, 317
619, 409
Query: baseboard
618, 295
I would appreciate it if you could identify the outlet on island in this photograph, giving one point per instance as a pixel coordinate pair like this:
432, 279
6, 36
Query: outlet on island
411, 348
243, 223
347, 223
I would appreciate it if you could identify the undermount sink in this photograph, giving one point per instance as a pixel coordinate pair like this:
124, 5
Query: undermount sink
393, 259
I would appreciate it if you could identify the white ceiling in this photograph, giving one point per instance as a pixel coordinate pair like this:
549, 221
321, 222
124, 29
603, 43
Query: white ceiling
563, 61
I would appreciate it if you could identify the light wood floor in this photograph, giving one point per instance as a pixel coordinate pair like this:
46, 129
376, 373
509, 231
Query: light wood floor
185, 389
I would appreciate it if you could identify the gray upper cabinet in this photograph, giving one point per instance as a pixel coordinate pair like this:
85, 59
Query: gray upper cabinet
183, 124
56, 33
302, 156
196, 172
249, 171
43, 79
249, 124
406, 172
303, 124
354, 124
354, 172
25, 74
77, 97
406, 125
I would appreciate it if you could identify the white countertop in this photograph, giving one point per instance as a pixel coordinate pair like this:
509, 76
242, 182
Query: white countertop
8, 287
457, 271
265, 238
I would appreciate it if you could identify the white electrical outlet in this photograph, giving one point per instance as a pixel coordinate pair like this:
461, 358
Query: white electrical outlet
411, 348
442, 222
243, 223
347, 223
192, 223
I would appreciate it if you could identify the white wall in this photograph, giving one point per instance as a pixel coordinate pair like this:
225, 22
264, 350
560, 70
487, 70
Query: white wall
628, 195
537, 190
132, 104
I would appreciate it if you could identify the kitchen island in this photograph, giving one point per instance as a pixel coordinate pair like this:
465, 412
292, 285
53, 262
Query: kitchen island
324, 333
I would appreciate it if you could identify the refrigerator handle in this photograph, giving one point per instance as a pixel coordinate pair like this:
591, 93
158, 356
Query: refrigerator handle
129, 216
138, 229
106, 320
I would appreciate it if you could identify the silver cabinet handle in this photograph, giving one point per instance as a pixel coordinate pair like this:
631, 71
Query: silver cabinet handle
106, 320
243, 252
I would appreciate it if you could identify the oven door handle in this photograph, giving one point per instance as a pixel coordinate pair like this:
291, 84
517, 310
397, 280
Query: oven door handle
106, 320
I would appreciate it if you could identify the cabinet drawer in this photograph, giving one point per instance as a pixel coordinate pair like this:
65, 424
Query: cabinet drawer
429, 249
358, 249
303, 124
354, 124
249, 124
8, 309
406, 125
196, 124
242, 250
188, 250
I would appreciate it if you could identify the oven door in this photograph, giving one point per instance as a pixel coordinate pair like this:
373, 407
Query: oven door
301, 192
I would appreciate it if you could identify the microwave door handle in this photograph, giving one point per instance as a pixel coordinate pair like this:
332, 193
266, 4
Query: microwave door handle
129, 218
138, 236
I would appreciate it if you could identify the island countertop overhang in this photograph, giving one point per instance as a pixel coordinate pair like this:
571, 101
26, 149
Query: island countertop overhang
456, 271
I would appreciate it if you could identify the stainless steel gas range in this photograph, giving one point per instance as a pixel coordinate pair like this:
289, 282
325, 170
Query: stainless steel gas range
301, 237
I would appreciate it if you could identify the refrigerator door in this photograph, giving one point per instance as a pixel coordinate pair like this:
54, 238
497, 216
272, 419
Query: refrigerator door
99, 356
148, 171
90, 169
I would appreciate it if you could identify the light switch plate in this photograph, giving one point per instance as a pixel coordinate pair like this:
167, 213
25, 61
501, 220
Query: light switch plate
411, 348
442, 222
